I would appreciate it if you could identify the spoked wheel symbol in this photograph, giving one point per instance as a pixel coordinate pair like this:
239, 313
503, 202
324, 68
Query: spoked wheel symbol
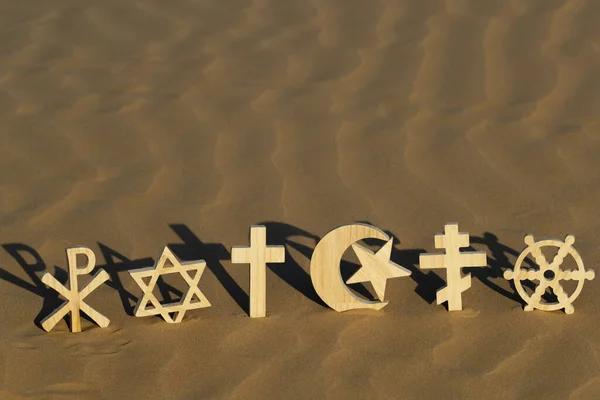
549, 275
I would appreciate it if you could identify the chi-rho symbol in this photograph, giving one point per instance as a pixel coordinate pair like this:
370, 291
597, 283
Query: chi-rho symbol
74, 296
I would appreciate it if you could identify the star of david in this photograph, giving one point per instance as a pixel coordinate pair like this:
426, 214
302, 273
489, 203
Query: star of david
167, 263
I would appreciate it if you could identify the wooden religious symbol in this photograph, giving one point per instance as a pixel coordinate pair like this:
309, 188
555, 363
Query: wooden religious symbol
74, 297
376, 267
167, 263
453, 260
549, 274
258, 255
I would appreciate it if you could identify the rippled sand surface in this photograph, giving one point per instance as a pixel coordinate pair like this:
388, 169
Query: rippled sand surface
128, 125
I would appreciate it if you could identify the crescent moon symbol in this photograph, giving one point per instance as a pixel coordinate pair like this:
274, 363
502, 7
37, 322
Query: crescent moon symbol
325, 267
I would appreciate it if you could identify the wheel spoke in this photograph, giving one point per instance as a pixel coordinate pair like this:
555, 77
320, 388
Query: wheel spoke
560, 294
540, 258
536, 297
571, 275
560, 256
524, 274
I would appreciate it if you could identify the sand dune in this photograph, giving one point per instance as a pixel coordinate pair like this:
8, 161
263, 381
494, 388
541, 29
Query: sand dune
128, 125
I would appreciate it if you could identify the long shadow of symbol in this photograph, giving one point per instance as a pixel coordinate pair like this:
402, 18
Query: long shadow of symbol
21, 253
498, 263
116, 263
193, 248
291, 272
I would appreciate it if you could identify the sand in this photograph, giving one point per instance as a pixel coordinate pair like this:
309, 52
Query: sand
130, 125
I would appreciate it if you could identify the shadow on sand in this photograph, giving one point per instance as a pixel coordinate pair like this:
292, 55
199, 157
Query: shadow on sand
499, 260
31, 262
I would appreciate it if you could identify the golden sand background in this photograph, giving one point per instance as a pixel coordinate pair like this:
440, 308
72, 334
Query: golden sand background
127, 125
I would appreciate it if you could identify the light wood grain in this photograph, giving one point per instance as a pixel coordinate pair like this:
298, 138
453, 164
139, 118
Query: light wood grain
258, 255
325, 267
167, 263
453, 260
74, 297
377, 268
549, 274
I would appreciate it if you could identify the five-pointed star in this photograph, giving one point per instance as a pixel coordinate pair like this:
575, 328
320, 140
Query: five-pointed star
167, 264
377, 267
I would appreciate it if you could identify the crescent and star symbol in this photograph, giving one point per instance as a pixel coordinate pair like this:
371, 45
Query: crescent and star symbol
376, 268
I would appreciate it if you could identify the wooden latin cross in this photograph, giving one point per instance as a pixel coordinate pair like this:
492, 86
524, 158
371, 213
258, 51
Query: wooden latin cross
258, 255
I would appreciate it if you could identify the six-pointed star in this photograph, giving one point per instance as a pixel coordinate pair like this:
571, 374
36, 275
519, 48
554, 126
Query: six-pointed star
192, 299
377, 267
